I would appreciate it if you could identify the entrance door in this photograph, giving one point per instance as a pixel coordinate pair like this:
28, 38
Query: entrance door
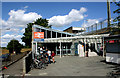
76, 49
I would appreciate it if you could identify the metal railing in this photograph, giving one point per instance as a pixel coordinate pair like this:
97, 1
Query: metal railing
102, 25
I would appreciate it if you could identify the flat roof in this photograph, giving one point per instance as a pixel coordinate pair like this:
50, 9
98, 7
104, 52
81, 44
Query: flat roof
75, 28
50, 29
70, 39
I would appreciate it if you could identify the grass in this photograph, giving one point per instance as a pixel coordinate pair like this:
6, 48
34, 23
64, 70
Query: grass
5, 51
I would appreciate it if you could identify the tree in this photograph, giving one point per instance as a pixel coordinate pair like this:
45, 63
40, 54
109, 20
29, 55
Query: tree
117, 19
42, 22
14, 45
116, 30
27, 38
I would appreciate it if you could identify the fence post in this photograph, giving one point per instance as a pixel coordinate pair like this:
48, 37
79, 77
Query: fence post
24, 66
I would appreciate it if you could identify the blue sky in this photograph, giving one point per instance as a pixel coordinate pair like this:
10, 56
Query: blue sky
14, 12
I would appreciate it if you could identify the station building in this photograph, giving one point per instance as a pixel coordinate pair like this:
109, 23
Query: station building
67, 42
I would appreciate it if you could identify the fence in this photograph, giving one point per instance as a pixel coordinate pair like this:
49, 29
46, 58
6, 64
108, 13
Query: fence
11, 59
27, 63
99, 26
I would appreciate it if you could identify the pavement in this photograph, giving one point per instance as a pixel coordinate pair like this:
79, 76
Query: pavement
75, 66
15, 69
65, 66
14, 58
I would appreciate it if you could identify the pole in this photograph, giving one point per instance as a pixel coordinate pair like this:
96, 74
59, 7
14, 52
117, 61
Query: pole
32, 42
108, 12
84, 46
36, 46
13, 45
60, 49
103, 48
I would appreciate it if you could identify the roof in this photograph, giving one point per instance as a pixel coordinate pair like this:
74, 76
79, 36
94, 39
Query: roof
50, 29
75, 28
70, 39
112, 37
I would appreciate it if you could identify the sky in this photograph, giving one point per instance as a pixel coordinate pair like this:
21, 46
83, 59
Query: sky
61, 15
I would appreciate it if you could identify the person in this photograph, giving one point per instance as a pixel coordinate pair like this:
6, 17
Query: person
53, 54
101, 50
49, 56
41, 50
86, 52
46, 53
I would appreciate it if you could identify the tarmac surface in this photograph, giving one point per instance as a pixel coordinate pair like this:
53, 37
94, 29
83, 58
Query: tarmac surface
65, 66
15, 69
75, 66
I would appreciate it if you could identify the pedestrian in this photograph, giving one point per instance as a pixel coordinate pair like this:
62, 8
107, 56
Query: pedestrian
49, 56
53, 54
86, 52
46, 53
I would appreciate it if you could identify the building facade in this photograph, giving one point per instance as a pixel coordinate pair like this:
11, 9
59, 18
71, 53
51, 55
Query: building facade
64, 43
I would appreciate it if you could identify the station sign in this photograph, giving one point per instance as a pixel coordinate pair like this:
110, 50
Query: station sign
38, 40
38, 35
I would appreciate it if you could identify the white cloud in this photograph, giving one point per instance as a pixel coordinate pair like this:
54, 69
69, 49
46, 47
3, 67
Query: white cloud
22, 42
8, 36
23, 30
90, 22
19, 18
4, 44
25, 7
18, 36
74, 15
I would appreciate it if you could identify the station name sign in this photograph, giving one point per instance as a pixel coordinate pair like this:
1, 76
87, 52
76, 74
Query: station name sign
38, 36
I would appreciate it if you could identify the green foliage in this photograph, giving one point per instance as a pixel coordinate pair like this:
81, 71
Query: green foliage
42, 22
3, 47
27, 38
117, 19
14, 45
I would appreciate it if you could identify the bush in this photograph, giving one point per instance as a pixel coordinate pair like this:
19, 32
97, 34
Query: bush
14, 45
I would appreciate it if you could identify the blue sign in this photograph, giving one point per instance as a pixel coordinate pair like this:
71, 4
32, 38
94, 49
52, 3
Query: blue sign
38, 40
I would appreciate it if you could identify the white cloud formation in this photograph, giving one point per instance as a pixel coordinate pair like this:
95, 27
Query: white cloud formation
89, 22
7, 37
19, 18
74, 15
23, 30
18, 36
25, 7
